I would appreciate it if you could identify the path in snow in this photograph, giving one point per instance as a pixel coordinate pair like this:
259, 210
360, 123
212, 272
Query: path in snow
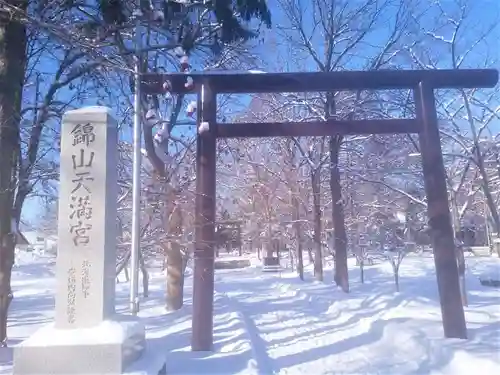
275, 324
297, 329
33, 306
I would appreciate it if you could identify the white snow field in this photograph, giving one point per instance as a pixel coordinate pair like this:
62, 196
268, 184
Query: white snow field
272, 323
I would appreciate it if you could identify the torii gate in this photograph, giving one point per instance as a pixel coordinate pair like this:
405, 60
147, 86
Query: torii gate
422, 82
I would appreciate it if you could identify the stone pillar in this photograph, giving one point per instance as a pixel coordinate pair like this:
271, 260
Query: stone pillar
87, 216
87, 336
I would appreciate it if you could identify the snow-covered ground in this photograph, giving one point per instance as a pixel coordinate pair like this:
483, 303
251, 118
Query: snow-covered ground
275, 324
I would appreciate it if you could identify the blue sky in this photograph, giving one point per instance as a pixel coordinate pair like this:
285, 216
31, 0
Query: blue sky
277, 56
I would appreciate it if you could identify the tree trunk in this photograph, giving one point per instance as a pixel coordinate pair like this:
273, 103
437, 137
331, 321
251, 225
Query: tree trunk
175, 278
240, 243
341, 276
395, 270
291, 256
490, 201
485, 178
491, 206
300, 259
122, 266
396, 279
145, 276
310, 254
12, 69
459, 251
298, 236
318, 258
175, 271
6, 263
463, 290
269, 244
362, 271
461, 274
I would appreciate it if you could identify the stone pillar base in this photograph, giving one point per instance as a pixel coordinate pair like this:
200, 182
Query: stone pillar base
102, 350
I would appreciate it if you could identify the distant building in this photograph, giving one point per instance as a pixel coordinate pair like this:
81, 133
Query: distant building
38, 242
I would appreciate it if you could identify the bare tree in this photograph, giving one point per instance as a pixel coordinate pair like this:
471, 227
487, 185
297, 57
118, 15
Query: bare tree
469, 45
340, 31
96, 33
35, 169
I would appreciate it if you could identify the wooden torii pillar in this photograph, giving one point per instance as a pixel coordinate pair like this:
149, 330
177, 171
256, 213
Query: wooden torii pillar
425, 124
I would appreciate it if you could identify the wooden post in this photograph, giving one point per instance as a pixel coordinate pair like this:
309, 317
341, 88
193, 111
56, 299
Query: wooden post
203, 275
439, 215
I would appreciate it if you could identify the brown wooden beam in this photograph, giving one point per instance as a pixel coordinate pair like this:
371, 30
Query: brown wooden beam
438, 211
227, 82
204, 251
316, 128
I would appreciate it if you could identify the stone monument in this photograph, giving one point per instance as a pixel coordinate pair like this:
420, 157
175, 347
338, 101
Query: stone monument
87, 336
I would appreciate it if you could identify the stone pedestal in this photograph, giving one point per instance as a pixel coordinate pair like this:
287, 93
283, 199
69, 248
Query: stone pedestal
107, 348
87, 336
